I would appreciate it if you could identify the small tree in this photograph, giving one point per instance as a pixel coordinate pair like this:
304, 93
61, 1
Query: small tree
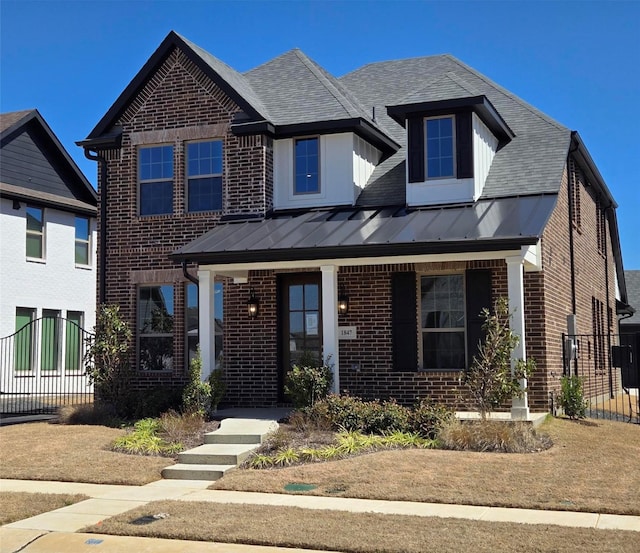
490, 379
196, 396
107, 359
571, 397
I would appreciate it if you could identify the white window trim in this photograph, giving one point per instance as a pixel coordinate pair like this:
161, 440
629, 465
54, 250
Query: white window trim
427, 178
82, 241
188, 177
423, 330
319, 191
41, 234
141, 181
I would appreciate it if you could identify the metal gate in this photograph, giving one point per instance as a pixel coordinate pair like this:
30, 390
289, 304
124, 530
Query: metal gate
42, 367
609, 367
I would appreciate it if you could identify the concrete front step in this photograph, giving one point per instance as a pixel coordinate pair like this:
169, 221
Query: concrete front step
183, 471
223, 450
217, 454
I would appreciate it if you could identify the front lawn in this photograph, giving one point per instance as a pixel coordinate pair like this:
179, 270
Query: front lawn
21, 505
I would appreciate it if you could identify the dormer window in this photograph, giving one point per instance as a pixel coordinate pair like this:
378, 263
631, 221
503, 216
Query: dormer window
306, 166
440, 147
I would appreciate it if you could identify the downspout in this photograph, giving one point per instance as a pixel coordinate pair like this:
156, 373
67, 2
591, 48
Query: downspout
571, 215
606, 286
102, 243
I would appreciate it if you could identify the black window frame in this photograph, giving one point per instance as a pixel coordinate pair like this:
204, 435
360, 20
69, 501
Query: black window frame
295, 166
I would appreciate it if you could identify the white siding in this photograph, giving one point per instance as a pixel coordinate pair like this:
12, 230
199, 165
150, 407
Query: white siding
346, 163
484, 148
55, 282
443, 191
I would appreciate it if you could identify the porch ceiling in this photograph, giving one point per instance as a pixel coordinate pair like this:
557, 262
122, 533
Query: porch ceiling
348, 232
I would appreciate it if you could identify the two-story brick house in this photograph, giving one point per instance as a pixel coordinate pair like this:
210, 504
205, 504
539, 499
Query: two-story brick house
367, 219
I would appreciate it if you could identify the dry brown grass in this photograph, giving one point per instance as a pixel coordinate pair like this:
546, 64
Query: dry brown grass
20, 505
357, 532
43, 451
593, 466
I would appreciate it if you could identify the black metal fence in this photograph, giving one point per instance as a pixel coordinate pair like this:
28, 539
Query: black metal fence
42, 367
609, 367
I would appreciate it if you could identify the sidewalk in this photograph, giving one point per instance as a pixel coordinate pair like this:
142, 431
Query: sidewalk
110, 500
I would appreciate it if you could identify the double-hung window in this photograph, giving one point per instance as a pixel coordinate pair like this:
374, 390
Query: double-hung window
82, 245
442, 315
155, 327
204, 176
306, 166
35, 232
440, 147
23, 342
155, 175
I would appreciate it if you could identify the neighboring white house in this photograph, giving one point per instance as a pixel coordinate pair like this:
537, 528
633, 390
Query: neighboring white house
47, 258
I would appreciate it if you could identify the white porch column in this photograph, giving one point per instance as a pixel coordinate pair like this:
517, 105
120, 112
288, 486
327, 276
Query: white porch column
206, 321
515, 286
330, 320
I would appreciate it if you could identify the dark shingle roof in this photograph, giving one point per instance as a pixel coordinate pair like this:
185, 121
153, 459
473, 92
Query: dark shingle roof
9, 119
633, 293
532, 162
295, 89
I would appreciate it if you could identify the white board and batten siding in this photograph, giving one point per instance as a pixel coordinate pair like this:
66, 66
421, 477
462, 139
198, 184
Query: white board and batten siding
346, 163
452, 190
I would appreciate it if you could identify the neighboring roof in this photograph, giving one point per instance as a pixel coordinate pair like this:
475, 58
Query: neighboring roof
35, 166
500, 224
632, 279
532, 162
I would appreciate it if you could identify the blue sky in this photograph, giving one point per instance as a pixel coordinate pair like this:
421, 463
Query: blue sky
577, 61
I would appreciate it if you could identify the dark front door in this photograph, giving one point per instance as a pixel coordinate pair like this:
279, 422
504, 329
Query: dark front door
300, 320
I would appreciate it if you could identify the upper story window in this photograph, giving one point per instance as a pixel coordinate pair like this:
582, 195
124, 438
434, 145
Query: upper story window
35, 232
204, 176
440, 147
155, 175
306, 166
82, 248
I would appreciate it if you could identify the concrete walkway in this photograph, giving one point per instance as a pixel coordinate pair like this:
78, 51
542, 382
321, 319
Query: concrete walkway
55, 531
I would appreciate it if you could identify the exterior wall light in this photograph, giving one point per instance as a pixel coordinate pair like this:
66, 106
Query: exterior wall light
253, 305
343, 304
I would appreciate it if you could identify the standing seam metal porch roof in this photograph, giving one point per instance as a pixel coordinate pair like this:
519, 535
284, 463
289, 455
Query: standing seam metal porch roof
495, 224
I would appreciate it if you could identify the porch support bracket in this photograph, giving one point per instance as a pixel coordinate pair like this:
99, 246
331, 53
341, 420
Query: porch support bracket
515, 287
330, 321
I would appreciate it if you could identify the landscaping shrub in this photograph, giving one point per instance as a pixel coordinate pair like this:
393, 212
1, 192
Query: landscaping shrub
571, 397
152, 402
490, 379
196, 396
180, 427
307, 382
369, 417
95, 414
428, 419
495, 436
145, 440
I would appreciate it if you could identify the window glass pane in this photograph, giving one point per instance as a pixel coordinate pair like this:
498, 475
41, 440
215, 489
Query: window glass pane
34, 219
295, 297
204, 158
311, 296
296, 324
155, 310
440, 148
82, 253
192, 320
443, 350
23, 340
34, 246
156, 353
49, 344
156, 198
82, 228
205, 194
156, 163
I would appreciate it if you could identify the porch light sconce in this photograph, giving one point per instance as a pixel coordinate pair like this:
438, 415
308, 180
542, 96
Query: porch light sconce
253, 305
16, 204
343, 304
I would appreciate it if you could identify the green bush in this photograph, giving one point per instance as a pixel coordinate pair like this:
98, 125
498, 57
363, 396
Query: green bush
196, 396
218, 388
145, 440
571, 397
306, 384
427, 419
